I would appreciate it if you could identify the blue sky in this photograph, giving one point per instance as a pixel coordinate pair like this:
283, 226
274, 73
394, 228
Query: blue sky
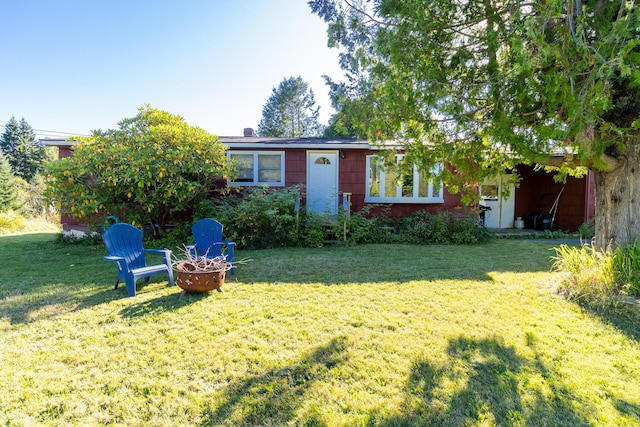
78, 65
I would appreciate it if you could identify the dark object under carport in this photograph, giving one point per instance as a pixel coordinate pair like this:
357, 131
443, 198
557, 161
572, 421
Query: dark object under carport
544, 219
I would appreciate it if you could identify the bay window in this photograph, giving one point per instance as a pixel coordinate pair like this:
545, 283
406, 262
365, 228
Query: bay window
386, 185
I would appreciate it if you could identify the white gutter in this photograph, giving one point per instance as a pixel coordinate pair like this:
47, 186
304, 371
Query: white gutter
316, 146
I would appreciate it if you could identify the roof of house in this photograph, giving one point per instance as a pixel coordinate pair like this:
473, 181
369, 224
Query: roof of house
256, 142
56, 142
270, 142
259, 142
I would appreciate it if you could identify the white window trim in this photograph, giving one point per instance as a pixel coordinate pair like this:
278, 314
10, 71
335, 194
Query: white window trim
255, 182
399, 198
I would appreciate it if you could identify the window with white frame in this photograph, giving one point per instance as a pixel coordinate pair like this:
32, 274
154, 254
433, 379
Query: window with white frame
385, 185
258, 168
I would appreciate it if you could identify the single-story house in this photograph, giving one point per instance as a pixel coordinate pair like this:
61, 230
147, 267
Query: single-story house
332, 169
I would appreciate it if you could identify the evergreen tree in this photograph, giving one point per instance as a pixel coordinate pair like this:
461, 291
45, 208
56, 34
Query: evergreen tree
8, 189
9, 137
483, 86
339, 127
24, 152
290, 111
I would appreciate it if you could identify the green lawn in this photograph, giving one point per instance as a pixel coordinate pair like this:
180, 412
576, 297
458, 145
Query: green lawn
376, 335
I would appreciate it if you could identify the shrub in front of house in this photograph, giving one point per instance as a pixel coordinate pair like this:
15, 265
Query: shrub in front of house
258, 218
442, 227
261, 217
366, 227
462, 230
148, 172
312, 232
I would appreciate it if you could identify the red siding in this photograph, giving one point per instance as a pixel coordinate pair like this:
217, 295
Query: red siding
295, 167
538, 191
65, 152
535, 195
68, 222
352, 177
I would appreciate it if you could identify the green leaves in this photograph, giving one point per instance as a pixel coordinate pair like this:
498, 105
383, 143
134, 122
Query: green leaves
478, 79
147, 171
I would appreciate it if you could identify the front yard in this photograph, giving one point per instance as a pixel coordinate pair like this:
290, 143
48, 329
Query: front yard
375, 335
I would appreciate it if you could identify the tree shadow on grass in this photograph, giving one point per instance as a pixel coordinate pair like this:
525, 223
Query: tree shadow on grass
33, 306
163, 303
631, 410
273, 397
42, 278
39, 272
394, 263
28, 305
480, 382
625, 317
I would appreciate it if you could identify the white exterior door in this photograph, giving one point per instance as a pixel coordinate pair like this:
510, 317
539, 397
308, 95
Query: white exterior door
322, 182
502, 210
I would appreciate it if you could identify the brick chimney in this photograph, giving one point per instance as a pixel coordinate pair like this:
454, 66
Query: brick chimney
248, 132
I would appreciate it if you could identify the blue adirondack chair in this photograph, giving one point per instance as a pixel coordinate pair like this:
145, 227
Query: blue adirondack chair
124, 244
207, 234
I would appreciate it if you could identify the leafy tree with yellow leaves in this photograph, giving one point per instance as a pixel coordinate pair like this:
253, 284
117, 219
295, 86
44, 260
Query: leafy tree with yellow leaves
152, 169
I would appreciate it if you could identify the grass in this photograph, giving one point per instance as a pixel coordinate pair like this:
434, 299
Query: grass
374, 335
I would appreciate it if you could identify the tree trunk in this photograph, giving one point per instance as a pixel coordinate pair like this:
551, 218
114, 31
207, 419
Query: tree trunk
617, 220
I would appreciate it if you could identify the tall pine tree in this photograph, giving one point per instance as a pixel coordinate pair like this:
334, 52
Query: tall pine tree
8, 189
24, 152
290, 111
